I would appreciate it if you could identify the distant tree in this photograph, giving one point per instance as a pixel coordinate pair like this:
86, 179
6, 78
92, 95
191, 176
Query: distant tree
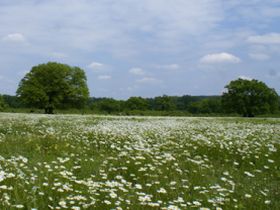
53, 85
136, 103
194, 107
108, 105
215, 104
206, 106
3, 105
183, 102
249, 98
12, 101
164, 103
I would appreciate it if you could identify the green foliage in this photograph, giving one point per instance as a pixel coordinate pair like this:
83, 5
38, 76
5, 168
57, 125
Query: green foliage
136, 103
78, 91
3, 105
12, 101
164, 103
206, 106
108, 105
263, 104
249, 98
53, 85
184, 102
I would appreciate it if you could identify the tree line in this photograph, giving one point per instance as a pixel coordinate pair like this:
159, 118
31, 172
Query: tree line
186, 103
171, 104
54, 86
161, 105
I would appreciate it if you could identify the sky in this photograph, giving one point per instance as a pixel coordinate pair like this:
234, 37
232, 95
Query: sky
143, 48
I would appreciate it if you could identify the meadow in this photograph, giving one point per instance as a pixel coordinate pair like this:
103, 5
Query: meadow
105, 162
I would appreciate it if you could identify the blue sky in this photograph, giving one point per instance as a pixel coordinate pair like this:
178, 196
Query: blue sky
143, 48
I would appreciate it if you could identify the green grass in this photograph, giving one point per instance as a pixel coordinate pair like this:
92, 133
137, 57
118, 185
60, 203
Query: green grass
99, 162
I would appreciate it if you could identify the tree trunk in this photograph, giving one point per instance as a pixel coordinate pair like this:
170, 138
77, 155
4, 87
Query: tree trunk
51, 110
48, 110
248, 115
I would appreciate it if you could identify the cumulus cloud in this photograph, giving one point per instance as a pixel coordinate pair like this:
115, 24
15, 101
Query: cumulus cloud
104, 77
137, 71
80, 24
15, 38
259, 56
270, 38
149, 80
220, 58
147, 32
96, 66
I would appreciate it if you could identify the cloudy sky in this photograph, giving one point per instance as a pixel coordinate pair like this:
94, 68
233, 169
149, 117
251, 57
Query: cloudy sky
143, 48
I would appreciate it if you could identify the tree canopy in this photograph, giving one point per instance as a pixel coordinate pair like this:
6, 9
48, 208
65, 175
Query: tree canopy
54, 85
164, 103
250, 97
137, 103
108, 105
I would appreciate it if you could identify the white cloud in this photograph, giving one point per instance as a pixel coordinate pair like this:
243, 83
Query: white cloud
147, 32
259, 56
136, 71
15, 38
271, 38
220, 58
95, 66
104, 77
173, 66
245, 77
80, 24
149, 80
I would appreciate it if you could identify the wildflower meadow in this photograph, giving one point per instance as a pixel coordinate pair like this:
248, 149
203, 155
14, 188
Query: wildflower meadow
105, 162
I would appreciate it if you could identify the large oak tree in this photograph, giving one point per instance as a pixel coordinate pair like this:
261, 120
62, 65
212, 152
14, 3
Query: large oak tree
54, 85
249, 98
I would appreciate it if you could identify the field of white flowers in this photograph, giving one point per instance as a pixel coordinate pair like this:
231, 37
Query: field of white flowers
95, 162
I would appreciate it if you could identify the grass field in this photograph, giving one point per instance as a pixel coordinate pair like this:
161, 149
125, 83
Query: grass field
95, 162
